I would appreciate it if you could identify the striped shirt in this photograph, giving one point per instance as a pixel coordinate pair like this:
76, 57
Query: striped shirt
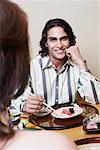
59, 86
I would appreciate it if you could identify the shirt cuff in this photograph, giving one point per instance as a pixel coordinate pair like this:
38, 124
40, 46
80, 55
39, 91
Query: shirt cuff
21, 106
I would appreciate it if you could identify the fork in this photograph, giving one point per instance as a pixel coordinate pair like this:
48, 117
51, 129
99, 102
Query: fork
49, 107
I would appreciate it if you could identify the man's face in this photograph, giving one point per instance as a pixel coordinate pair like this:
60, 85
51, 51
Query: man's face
57, 42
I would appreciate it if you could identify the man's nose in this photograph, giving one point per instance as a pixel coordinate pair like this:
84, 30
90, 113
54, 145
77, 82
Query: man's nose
59, 44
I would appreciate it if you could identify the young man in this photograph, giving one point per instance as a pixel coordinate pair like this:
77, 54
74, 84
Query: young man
58, 73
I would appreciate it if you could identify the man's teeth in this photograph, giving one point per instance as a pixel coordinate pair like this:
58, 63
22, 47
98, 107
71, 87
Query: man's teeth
60, 51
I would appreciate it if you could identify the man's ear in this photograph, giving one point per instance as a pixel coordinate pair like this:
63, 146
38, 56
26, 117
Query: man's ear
46, 44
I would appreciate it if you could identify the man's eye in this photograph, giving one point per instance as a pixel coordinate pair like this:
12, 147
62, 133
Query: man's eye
64, 38
53, 39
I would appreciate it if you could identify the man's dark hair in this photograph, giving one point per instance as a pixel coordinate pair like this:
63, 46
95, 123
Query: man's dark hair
55, 23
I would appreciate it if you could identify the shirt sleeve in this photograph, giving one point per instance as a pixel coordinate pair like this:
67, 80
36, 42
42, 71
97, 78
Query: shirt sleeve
89, 87
16, 106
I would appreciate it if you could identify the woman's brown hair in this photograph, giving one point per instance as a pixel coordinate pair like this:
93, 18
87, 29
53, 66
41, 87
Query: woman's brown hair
14, 53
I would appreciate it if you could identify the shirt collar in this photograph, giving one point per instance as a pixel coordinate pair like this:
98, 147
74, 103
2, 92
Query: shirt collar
46, 63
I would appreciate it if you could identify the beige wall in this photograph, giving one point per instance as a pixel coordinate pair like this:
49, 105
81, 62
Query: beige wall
82, 15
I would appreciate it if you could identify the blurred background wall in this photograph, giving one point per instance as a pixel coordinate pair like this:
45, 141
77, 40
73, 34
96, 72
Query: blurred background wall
82, 15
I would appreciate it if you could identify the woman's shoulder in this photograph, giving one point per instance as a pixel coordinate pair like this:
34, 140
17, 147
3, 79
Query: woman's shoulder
39, 140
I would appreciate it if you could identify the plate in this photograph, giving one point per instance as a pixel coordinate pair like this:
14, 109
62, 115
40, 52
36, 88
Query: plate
77, 111
92, 146
44, 112
91, 123
92, 143
91, 131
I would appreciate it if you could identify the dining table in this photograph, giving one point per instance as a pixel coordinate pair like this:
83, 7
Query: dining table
74, 132
77, 133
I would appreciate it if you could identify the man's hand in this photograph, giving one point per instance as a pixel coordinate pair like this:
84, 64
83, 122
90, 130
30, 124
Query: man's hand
33, 104
74, 54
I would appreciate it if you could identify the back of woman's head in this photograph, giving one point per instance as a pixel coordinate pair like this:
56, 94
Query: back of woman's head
14, 52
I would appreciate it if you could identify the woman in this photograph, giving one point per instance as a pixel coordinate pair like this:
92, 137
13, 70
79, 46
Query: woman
14, 71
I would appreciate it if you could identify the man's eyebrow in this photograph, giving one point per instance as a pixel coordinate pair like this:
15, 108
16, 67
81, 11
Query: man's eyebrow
52, 38
63, 37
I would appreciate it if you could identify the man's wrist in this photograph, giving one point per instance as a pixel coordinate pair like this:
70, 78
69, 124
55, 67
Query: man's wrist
83, 65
